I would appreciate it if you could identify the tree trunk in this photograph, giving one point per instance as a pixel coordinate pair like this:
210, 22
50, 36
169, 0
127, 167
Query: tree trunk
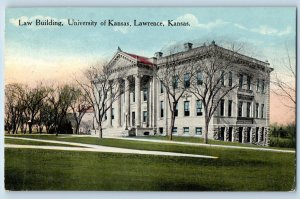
172, 125
206, 132
30, 127
100, 130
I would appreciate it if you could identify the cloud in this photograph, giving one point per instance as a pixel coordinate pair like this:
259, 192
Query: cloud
194, 22
266, 30
122, 29
15, 21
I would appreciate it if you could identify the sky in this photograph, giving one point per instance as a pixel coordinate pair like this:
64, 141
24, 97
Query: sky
53, 53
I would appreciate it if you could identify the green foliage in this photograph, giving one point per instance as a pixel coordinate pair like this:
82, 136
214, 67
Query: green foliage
283, 136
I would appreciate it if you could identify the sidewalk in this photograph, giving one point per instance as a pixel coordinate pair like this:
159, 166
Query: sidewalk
97, 148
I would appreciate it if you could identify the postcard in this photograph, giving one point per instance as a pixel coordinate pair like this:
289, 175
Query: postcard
150, 99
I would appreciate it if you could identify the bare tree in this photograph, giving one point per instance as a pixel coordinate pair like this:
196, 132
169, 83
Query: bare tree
14, 107
213, 68
285, 84
171, 76
33, 99
79, 106
102, 87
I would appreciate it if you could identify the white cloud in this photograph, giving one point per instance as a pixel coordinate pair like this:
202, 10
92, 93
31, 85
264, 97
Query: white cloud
194, 22
266, 30
122, 29
15, 21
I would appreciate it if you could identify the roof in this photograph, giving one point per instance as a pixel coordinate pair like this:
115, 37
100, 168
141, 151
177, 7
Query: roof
140, 59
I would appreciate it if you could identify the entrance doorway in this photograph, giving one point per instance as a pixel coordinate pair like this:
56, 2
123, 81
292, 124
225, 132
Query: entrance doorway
230, 134
240, 134
133, 119
221, 134
248, 134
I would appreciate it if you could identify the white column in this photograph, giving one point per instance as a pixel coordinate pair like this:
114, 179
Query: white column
119, 106
127, 103
138, 100
150, 90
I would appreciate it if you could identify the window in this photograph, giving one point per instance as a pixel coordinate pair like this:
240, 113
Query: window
263, 86
222, 79
133, 96
199, 78
186, 108
145, 94
248, 82
229, 108
240, 109
145, 115
199, 108
187, 80
112, 113
161, 87
198, 131
222, 112
105, 115
186, 130
241, 81
256, 110
174, 130
248, 108
230, 79
175, 81
161, 108
262, 110
257, 84
176, 110
161, 130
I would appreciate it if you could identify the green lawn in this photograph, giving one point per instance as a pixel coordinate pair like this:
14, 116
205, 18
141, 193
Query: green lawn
28, 142
234, 170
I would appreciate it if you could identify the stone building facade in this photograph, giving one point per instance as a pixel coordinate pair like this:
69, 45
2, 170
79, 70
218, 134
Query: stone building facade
243, 114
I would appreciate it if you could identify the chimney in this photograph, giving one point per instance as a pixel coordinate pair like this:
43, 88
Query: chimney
188, 46
158, 55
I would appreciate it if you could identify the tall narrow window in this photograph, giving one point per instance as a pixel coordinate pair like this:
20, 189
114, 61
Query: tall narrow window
241, 81
199, 107
248, 82
222, 112
161, 108
175, 81
230, 79
112, 113
240, 109
145, 115
176, 110
257, 84
161, 87
199, 78
187, 80
262, 110
133, 96
257, 110
229, 108
186, 108
248, 109
263, 86
222, 78
145, 94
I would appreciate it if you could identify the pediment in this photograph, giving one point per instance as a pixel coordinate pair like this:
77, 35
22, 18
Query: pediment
121, 60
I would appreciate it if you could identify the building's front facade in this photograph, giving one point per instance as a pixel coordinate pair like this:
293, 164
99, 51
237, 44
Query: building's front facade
142, 109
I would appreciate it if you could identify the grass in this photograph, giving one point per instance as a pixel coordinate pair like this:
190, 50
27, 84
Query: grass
28, 142
234, 170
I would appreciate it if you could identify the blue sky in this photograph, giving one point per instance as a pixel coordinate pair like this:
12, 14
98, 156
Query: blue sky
56, 54
260, 27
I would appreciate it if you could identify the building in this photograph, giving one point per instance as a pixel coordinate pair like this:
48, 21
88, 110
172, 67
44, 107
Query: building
242, 116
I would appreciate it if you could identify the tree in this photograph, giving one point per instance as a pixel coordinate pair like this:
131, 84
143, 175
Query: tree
174, 77
212, 68
285, 85
79, 106
58, 104
33, 99
102, 87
